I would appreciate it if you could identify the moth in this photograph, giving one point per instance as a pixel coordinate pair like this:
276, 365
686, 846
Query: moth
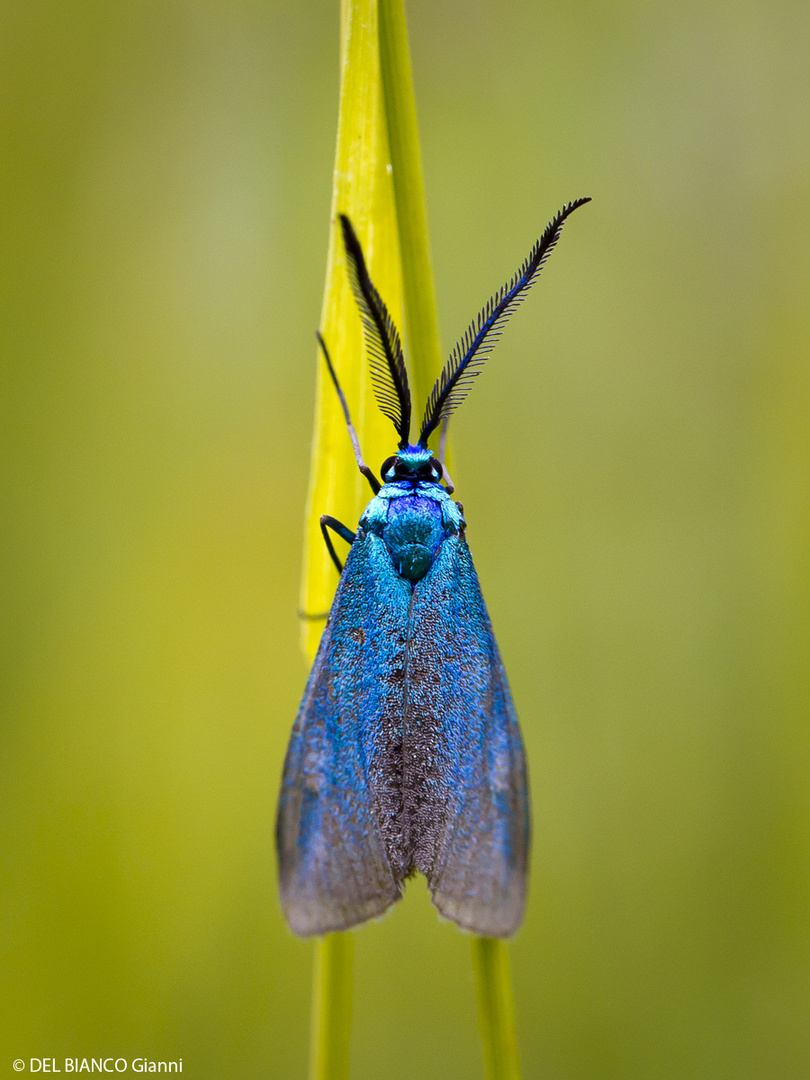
406, 754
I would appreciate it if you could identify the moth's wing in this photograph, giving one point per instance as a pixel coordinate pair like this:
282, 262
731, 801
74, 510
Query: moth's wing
340, 802
466, 790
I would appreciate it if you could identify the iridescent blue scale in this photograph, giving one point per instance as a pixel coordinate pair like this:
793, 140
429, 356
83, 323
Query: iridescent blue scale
406, 753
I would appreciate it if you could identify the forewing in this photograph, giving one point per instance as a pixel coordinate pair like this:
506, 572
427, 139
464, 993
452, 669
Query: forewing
340, 805
465, 784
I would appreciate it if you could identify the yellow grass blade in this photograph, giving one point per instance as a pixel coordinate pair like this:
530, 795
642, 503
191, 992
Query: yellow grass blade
363, 189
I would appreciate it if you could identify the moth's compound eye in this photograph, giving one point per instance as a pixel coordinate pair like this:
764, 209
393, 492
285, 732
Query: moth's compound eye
436, 467
386, 466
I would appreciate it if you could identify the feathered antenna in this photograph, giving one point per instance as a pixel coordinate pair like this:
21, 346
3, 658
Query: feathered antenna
483, 333
388, 375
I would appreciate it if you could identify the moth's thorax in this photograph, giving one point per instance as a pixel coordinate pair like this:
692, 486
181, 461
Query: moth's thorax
413, 518
413, 535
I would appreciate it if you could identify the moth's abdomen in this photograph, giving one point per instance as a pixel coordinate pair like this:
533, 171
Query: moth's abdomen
413, 535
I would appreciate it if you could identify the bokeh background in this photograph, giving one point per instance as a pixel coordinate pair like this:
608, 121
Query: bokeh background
635, 468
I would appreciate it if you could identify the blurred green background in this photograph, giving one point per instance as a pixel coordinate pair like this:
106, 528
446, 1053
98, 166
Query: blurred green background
635, 468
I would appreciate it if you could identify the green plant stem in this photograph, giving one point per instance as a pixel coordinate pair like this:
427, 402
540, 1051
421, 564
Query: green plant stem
363, 189
418, 287
331, 1008
496, 1014
495, 1007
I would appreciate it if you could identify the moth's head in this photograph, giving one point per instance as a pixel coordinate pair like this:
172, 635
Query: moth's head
411, 463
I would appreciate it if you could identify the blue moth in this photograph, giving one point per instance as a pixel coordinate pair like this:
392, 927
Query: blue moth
406, 753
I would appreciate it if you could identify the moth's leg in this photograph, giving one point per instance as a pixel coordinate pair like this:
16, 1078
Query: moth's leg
450, 487
358, 456
328, 522
310, 616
